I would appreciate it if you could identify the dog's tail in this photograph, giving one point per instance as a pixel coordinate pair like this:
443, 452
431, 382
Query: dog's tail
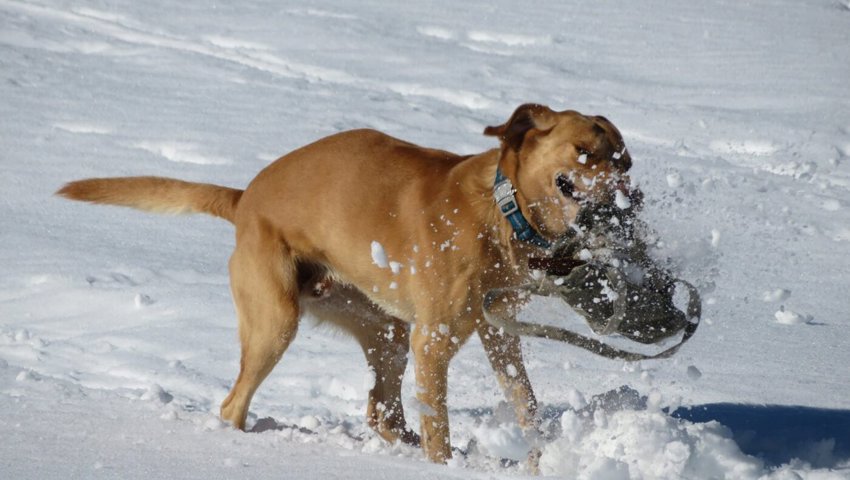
156, 194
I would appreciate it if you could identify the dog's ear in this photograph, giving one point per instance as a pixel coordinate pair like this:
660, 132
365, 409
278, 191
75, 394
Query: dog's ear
526, 117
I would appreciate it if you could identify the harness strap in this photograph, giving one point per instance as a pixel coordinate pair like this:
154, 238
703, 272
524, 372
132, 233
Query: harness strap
509, 323
558, 266
505, 195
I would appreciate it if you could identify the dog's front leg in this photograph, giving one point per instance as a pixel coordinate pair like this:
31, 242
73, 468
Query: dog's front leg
505, 354
433, 347
504, 351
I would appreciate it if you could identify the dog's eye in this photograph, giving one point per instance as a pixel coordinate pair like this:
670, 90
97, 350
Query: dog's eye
565, 185
582, 155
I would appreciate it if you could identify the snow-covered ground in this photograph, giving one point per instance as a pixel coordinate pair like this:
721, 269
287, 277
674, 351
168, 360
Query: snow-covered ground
117, 334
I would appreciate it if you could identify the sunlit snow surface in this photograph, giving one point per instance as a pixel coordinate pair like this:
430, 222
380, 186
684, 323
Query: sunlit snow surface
117, 333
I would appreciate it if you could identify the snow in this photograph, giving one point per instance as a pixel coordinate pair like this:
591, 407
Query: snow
790, 317
379, 256
117, 333
647, 444
621, 200
674, 180
776, 295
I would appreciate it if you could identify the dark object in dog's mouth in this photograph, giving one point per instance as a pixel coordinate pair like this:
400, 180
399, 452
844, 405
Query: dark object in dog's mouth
603, 271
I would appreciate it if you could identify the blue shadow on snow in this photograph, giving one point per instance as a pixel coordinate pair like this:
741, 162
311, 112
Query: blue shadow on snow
777, 434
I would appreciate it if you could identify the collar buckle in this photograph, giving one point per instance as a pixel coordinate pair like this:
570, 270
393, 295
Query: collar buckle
504, 193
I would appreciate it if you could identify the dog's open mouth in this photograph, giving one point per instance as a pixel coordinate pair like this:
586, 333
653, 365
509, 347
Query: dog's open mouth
565, 185
619, 194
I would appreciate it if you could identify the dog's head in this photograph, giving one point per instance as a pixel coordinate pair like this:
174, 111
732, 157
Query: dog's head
561, 161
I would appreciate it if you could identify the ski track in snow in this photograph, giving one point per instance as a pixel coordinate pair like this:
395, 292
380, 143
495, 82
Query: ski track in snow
117, 332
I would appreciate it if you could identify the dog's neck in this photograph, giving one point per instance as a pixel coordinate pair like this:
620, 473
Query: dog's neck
505, 196
474, 178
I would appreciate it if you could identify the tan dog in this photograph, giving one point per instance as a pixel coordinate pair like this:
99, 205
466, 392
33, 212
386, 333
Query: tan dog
377, 235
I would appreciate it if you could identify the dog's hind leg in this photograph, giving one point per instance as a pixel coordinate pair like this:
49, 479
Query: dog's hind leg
385, 346
265, 292
385, 341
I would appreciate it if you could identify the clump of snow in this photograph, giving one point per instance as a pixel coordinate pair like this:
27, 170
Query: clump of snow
777, 295
181, 152
310, 422
379, 256
214, 423
622, 200
233, 462
169, 416
157, 394
790, 317
747, 147
608, 292
645, 444
22, 335
142, 300
26, 375
674, 180
831, 205
502, 440
574, 397
436, 32
509, 39
715, 237
342, 389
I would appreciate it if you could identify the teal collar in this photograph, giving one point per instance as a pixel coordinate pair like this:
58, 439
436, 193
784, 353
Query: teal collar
504, 193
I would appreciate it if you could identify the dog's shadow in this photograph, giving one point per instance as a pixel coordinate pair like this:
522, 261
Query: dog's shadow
269, 424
